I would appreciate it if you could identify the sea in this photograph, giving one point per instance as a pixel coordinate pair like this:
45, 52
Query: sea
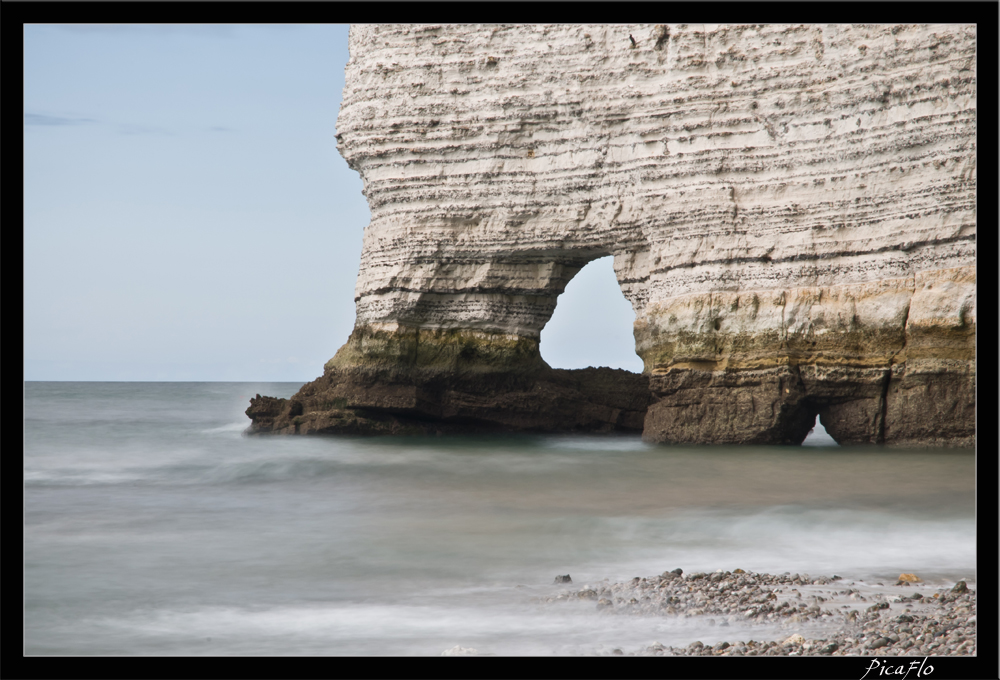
154, 526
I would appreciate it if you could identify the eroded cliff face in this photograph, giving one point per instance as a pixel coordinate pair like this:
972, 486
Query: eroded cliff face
791, 210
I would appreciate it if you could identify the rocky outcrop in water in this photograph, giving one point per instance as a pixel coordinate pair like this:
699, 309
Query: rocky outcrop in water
543, 400
791, 210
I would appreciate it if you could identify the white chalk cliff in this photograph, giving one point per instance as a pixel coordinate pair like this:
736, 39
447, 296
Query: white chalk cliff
791, 210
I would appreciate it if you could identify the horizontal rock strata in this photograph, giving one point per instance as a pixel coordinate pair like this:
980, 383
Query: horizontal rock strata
791, 210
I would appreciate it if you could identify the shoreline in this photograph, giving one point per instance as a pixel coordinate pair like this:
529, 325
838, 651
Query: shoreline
816, 616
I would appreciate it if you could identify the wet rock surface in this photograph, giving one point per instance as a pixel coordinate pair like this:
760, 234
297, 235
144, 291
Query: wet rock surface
378, 402
819, 615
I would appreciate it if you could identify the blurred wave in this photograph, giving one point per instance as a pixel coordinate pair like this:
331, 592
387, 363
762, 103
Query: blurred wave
153, 526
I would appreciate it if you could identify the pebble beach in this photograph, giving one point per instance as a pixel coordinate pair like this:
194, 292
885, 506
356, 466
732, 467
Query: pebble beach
794, 614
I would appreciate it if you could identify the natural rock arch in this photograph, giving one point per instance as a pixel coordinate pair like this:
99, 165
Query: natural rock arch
791, 210
593, 323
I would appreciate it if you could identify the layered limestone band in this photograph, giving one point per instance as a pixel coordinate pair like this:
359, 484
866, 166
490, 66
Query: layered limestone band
791, 211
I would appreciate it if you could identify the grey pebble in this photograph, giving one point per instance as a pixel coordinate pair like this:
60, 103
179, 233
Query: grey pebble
762, 598
880, 642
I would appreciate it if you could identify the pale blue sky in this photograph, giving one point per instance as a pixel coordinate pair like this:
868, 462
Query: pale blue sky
188, 216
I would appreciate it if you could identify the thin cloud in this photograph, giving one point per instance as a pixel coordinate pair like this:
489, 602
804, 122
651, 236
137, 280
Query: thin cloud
42, 119
129, 129
46, 120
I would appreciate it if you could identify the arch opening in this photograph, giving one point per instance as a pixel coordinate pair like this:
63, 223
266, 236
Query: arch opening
592, 323
818, 436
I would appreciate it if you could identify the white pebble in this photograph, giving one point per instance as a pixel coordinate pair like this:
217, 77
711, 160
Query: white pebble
460, 651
